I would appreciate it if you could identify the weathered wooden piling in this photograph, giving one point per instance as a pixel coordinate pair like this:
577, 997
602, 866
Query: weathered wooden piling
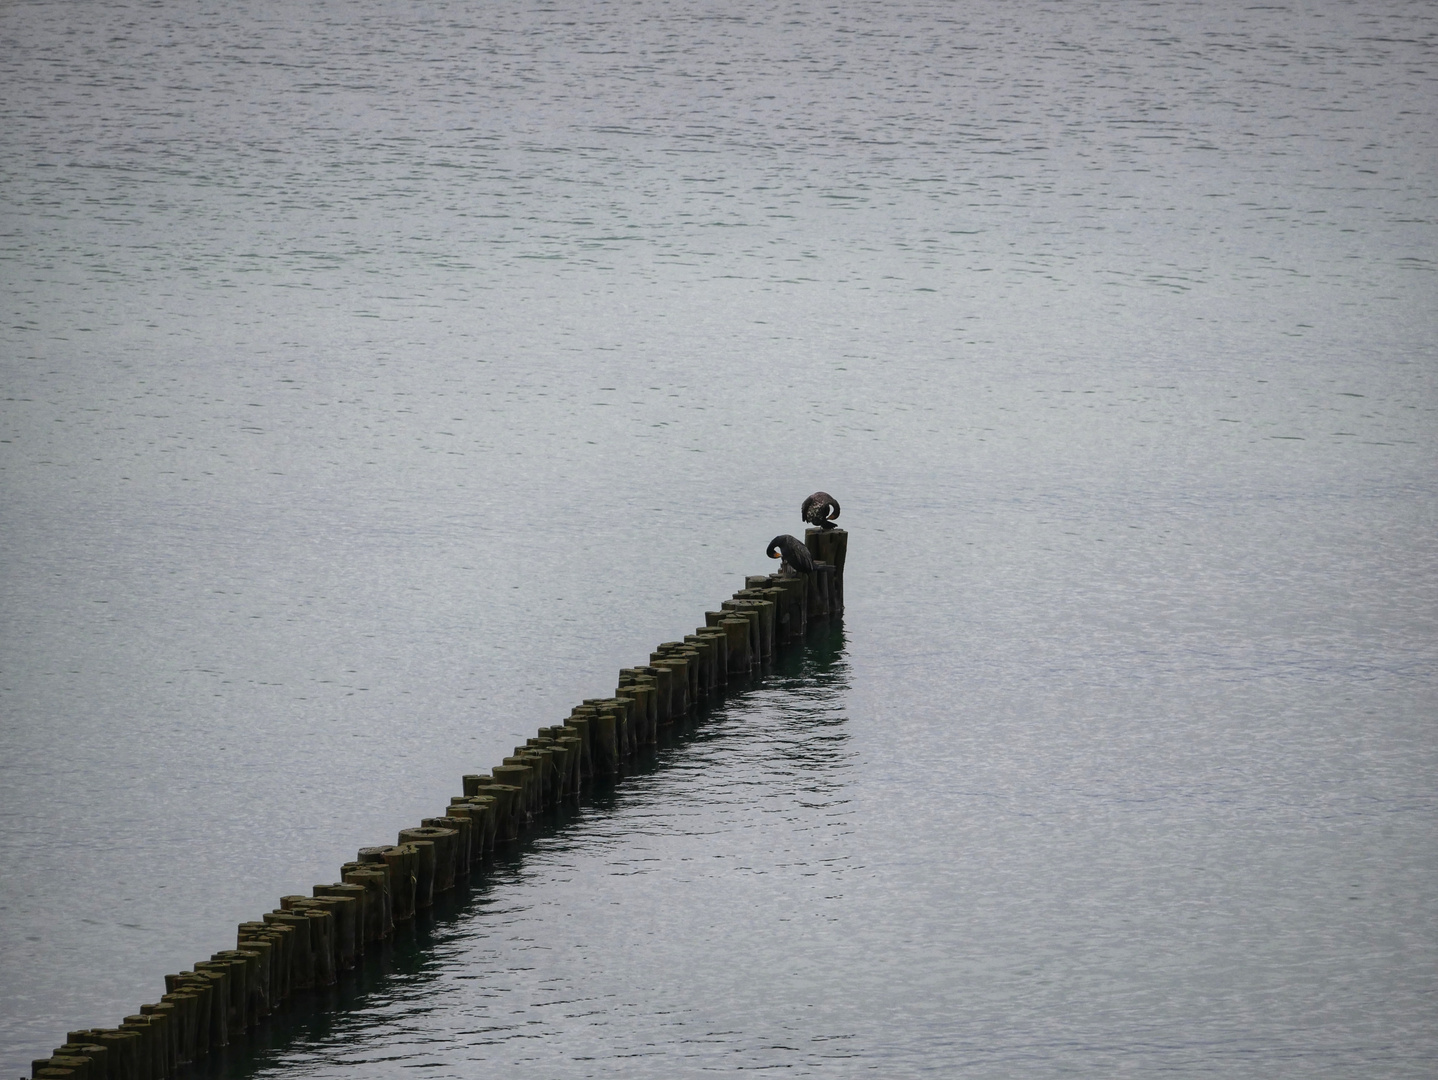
737, 632
458, 843
755, 600
243, 973
124, 1047
266, 991
155, 1028
177, 1007
517, 776
541, 777
305, 963
256, 988
169, 1035
554, 740
506, 823
531, 783
569, 737
378, 914
693, 683
341, 912
146, 1049
192, 1015
474, 817
663, 677
717, 636
161, 1015
624, 727
678, 668
604, 746
796, 596
704, 651
698, 680
579, 721
321, 924
428, 868
644, 688
214, 1029
155, 1060
480, 809
611, 733
188, 1009
554, 765
830, 546
62, 1064
813, 602
463, 840
741, 609
358, 912
397, 863
94, 1055
232, 992
111, 1055
762, 587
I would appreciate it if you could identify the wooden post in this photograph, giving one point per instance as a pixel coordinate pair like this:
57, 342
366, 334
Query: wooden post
460, 843
605, 748
720, 640
169, 1016
379, 915
356, 911
742, 609
517, 775
148, 1048
797, 599
166, 1015
695, 657
616, 713
273, 944
302, 956
256, 957
123, 1055
767, 621
581, 719
678, 669
93, 1052
214, 1004
237, 991
505, 826
830, 546
324, 934
738, 631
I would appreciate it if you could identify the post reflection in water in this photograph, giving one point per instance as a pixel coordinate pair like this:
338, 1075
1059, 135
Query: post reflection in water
658, 925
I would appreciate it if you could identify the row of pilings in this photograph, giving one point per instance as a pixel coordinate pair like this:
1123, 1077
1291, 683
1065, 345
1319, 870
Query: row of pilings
313, 942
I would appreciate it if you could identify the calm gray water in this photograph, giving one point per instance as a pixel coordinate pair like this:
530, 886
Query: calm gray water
379, 378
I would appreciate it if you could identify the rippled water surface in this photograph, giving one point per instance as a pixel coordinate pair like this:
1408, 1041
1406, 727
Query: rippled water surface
378, 379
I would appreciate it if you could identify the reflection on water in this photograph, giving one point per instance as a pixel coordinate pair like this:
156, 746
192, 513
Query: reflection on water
512, 969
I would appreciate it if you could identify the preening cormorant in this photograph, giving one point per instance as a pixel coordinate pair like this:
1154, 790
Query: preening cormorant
816, 510
797, 559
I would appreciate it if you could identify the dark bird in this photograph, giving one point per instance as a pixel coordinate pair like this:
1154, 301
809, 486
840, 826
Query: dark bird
797, 559
816, 510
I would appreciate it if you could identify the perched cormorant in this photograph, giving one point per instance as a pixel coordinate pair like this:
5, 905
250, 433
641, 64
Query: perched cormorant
816, 510
797, 559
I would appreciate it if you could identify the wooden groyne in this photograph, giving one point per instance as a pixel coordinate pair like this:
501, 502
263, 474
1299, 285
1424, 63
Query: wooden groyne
312, 942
